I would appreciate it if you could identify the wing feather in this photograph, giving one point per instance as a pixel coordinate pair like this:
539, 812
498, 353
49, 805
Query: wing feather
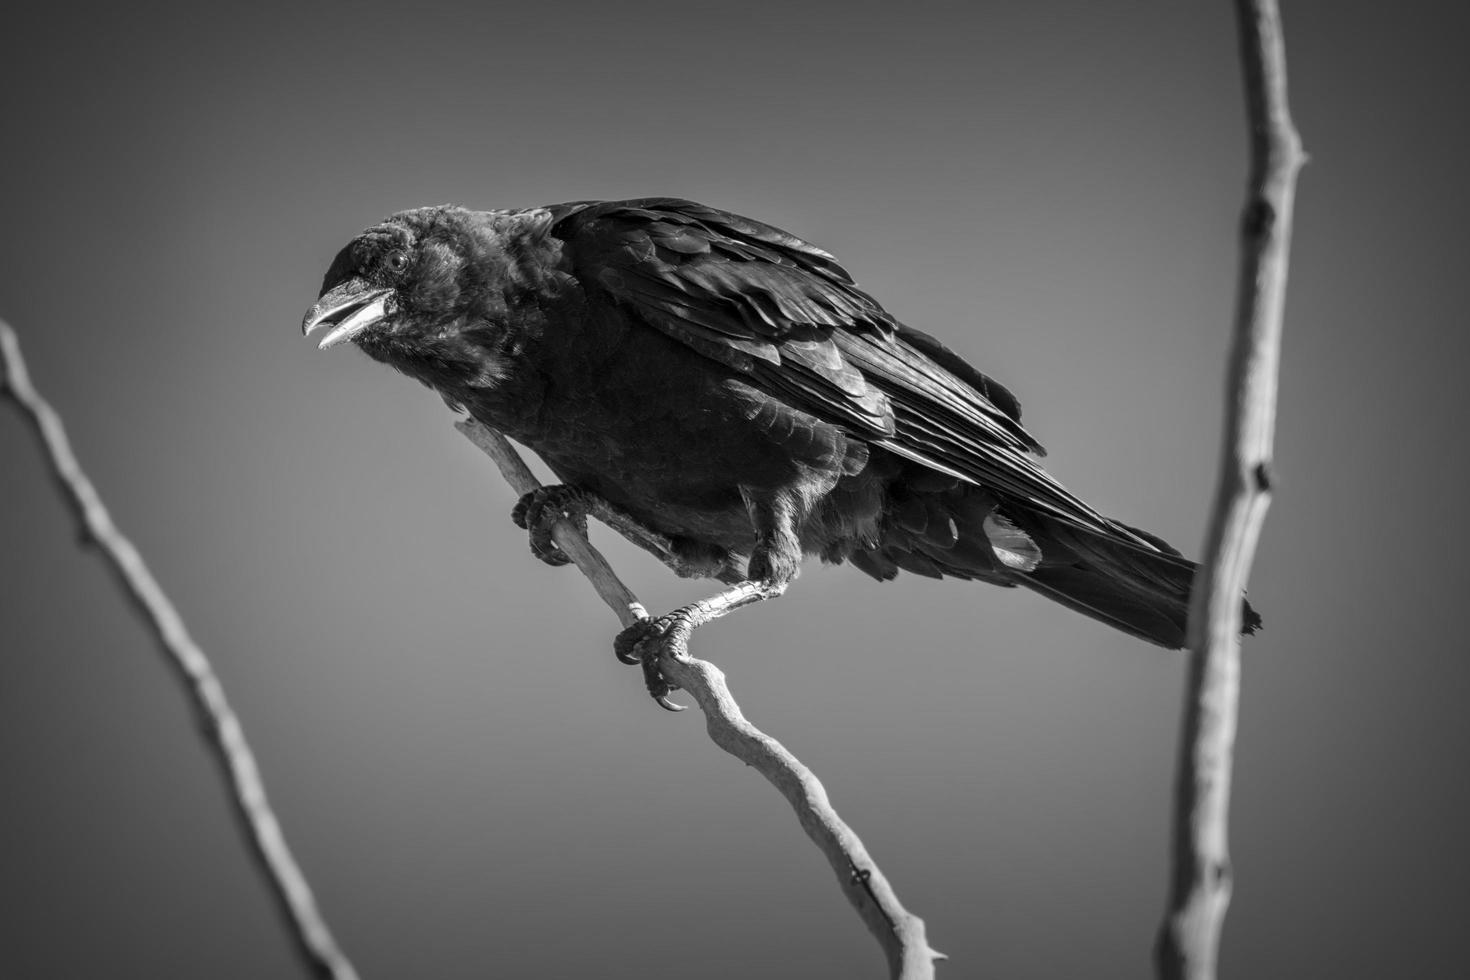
785, 314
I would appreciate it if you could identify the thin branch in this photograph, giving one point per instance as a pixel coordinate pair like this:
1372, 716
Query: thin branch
225, 736
900, 933
1189, 940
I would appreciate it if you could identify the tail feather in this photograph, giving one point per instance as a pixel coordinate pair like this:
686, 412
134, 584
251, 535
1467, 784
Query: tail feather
1156, 618
1124, 577
1144, 592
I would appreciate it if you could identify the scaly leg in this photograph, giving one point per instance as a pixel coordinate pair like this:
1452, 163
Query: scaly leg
774, 563
645, 642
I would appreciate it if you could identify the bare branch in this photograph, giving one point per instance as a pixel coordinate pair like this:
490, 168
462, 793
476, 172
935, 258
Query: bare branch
1189, 940
225, 736
619, 598
900, 933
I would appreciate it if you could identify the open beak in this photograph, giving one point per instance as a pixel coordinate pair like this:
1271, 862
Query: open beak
348, 309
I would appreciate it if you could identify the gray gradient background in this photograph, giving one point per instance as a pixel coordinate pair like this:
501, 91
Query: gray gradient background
474, 786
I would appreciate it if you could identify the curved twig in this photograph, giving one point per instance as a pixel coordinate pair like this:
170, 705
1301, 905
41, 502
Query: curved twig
899, 932
225, 736
1200, 885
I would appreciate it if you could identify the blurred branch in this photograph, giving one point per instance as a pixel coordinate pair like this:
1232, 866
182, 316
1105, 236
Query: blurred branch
1189, 940
225, 736
900, 933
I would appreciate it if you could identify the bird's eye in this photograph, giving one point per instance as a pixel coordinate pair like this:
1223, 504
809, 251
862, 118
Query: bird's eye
397, 261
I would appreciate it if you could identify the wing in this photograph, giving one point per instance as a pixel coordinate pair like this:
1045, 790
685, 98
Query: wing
784, 313
742, 293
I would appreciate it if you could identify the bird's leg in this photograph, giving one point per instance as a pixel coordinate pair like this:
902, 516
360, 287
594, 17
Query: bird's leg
645, 642
540, 509
774, 562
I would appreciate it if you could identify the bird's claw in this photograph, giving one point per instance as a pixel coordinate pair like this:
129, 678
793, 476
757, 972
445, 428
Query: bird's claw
644, 643
626, 643
539, 510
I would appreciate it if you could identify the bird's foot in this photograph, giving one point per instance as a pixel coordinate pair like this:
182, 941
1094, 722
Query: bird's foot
539, 510
648, 640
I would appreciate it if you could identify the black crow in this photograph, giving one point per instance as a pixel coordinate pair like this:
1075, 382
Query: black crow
727, 387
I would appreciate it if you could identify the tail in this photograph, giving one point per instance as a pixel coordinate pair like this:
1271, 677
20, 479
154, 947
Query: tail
1127, 578
1116, 580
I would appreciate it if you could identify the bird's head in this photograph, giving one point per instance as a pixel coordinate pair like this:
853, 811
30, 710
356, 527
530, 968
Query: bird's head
419, 275
374, 287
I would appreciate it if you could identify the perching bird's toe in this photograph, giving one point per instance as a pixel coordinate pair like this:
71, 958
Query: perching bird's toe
538, 512
648, 640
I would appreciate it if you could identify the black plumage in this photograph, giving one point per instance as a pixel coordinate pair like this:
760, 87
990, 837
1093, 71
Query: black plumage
727, 385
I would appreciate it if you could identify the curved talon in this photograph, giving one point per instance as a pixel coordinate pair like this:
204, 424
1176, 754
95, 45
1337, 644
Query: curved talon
626, 643
643, 644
